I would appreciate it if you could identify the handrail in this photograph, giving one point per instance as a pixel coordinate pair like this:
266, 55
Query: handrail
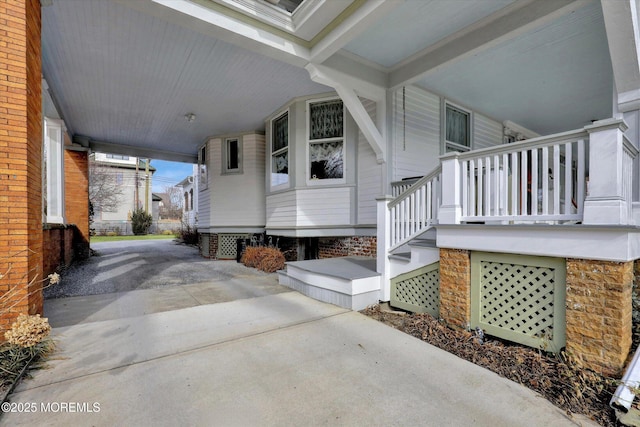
416, 186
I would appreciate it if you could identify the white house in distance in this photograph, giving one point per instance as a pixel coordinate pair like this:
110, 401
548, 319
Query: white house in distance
190, 193
481, 155
131, 183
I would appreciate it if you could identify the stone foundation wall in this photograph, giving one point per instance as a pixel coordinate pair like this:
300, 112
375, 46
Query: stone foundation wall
599, 313
333, 247
455, 287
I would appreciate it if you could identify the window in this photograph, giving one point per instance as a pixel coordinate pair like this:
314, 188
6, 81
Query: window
117, 157
191, 199
186, 201
53, 175
457, 125
326, 143
202, 167
232, 156
119, 178
280, 150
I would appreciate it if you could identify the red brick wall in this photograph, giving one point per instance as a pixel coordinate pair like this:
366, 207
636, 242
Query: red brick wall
20, 158
57, 248
76, 198
334, 247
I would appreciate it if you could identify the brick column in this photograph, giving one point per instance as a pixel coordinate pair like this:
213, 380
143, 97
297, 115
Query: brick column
76, 203
599, 309
455, 287
20, 159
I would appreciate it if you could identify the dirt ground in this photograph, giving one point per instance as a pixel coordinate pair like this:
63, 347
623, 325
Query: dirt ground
559, 379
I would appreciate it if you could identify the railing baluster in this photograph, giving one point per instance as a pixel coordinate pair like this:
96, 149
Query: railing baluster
581, 176
514, 184
544, 176
556, 179
524, 183
534, 181
496, 185
504, 185
568, 178
465, 188
480, 178
487, 186
473, 182
412, 214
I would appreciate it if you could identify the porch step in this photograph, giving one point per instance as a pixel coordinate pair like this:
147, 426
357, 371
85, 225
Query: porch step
402, 256
424, 243
349, 282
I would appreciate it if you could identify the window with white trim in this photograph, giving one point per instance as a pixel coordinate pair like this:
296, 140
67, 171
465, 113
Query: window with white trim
117, 157
326, 140
53, 174
457, 128
202, 167
280, 150
232, 156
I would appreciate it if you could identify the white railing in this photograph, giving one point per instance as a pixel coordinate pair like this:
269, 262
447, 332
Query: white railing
399, 187
416, 209
541, 179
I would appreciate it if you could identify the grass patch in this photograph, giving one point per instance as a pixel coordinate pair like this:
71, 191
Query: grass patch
97, 239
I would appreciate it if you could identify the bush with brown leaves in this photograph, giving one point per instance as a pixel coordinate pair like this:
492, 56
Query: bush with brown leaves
262, 258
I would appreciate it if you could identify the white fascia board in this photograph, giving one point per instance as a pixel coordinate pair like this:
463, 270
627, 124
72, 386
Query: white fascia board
606, 243
243, 34
507, 23
367, 15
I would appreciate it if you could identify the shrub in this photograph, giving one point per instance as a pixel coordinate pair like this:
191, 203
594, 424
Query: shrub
262, 258
168, 233
111, 233
28, 331
140, 222
188, 234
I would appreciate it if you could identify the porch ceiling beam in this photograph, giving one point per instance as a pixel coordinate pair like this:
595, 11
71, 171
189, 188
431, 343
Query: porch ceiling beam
348, 88
130, 150
507, 23
325, 45
622, 24
231, 28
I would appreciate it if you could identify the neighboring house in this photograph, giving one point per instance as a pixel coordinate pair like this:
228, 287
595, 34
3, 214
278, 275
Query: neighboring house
484, 154
156, 201
190, 194
129, 179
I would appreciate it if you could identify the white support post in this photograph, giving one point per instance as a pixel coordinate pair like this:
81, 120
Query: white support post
605, 202
383, 244
450, 208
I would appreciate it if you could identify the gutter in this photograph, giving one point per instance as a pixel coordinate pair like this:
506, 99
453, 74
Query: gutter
623, 397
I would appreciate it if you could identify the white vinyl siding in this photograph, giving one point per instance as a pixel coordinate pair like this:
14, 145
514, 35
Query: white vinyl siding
204, 196
369, 174
310, 207
417, 132
237, 199
486, 132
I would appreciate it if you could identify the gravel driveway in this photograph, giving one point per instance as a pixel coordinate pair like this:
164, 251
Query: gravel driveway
151, 264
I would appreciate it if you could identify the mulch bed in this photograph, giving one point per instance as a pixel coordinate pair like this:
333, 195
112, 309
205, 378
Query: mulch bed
556, 377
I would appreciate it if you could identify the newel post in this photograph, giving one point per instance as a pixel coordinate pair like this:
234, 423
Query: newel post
609, 195
450, 209
383, 245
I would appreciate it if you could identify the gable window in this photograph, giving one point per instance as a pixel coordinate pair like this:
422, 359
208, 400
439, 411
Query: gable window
280, 150
117, 157
326, 140
202, 167
53, 176
232, 156
457, 125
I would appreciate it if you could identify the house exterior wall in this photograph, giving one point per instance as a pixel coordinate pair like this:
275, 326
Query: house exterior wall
204, 195
58, 247
332, 247
417, 126
76, 190
20, 160
237, 199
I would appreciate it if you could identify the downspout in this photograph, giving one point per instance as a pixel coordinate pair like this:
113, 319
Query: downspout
623, 397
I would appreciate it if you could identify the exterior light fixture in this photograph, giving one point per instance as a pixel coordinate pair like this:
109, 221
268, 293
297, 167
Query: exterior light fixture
190, 117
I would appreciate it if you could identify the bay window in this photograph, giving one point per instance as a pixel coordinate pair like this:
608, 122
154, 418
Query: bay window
326, 140
280, 150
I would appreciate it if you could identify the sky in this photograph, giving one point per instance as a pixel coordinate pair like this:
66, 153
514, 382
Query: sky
168, 174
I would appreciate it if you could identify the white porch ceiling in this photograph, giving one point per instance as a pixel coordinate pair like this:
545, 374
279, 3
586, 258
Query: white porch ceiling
126, 72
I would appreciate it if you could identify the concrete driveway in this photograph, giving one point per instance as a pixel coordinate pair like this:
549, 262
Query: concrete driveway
280, 359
